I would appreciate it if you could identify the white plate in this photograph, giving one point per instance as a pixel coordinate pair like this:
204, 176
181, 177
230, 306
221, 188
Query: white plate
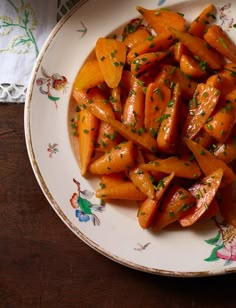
114, 232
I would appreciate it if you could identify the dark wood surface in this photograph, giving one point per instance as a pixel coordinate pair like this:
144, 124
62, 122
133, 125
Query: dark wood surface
43, 264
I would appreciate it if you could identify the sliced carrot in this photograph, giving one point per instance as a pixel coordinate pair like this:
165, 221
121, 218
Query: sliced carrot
141, 178
191, 67
146, 61
229, 71
148, 209
209, 163
123, 191
184, 166
217, 38
176, 203
160, 20
156, 100
170, 75
204, 191
222, 121
204, 139
107, 137
115, 100
224, 84
111, 56
133, 114
167, 137
202, 106
136, 37
226, 151
199, 48
87, 133
156, 43
213, 209
119, 158
89, 76
178, 50
199, 25
113, 179
227, 206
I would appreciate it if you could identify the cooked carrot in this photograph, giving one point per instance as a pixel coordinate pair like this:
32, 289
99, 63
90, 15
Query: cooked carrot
133, 114
199, 48
141, 178
191, 67
146, 61
222, 121
226, 204
224, 84
176, 203
111, 56
123, 191
113, 179
170, 75
213, 209
89, 76
199, 25
184, 166
136, 37
151, 44
204, 139
107, 137
156, 100
115, 100
226, 151
229, 71
148, 209
161, 19
202, 106
217, 38
87, 131
204, 191
178, 50
119, 158
209, 163
167, 137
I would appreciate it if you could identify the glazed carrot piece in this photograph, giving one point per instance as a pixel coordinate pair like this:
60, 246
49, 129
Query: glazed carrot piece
199, 48
224, 84
176, 203
87, 133
213, 209
111, 56
141, 178
204, 139
202, 106
133, 114
204, 191
107, 137
151, 44
156, 100
178, 50
167, 137
136, 37
229, 71
226, 151
115, 101
89, 76
123, 191
226, 204
145, 62
209, 163
119, 158
161, 19
191, 67
170, 75
184, 166
148, 209
217, 38
113, 179
222, 121
199, 25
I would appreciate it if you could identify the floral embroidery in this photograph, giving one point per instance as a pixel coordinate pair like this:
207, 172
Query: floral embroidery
26, 22
225, 244
224, 15
52, 149
84, 208
47, 83
83, 30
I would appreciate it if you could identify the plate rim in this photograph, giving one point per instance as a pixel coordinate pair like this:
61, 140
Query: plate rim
44, 188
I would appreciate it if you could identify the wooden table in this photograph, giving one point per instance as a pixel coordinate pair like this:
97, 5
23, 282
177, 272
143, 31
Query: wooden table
43, 264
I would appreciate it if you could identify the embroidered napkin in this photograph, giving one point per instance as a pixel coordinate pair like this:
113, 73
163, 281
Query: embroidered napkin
24, 27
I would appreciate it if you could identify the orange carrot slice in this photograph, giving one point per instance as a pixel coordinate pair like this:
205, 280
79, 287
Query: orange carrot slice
204, 191
191, 67
111, 56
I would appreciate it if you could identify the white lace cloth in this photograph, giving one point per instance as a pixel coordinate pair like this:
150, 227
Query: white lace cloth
20, 17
